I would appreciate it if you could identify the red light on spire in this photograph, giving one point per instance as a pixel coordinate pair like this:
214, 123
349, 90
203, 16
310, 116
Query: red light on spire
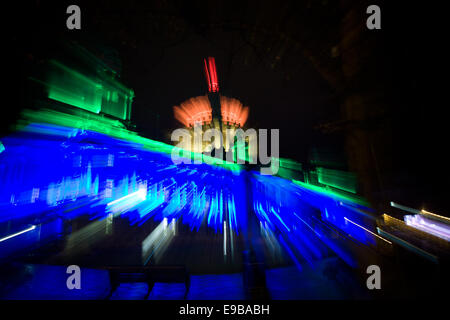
211, 74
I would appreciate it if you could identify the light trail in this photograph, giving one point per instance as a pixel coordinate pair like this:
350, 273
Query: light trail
372, 233
224, 238
434, 228
435, 215
404, 208
139, 194
18, 233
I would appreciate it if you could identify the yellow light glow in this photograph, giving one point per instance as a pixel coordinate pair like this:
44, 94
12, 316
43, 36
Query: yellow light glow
435, 215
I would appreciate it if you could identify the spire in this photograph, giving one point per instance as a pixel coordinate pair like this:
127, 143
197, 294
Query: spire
211, 74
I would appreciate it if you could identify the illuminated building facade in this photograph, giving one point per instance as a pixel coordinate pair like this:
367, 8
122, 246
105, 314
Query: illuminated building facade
212, 111
80, 81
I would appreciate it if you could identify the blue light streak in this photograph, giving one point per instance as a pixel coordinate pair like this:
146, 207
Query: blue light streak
50, 172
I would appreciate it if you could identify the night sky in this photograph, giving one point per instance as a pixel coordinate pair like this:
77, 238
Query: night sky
165, 67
